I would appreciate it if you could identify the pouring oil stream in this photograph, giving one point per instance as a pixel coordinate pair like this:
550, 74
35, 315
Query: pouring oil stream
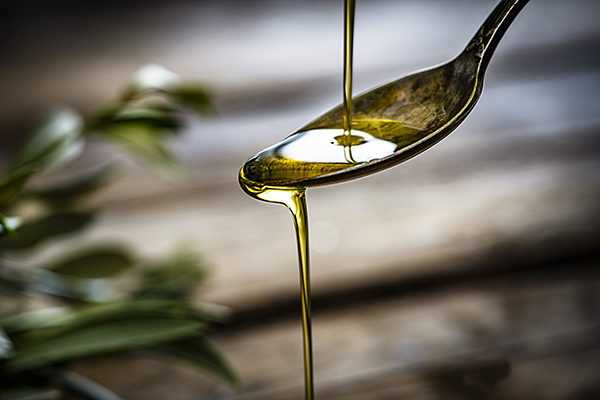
294, 198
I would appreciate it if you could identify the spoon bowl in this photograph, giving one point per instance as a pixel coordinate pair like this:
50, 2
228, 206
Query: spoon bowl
390, 123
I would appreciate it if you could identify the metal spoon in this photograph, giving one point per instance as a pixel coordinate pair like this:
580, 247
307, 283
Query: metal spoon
397, 120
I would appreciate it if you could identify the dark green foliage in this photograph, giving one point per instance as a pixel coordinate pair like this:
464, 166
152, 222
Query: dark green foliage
56, 138
101, 339
148, 111
174, 278
141, 139
94, 263
12, 184
30, 393
6, 348
97, 316
64, 193
32, 233
195, 98
200, 352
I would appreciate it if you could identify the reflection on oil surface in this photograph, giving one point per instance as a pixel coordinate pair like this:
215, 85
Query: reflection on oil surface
323, 150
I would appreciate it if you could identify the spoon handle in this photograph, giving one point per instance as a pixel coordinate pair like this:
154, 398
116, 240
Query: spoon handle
493, 29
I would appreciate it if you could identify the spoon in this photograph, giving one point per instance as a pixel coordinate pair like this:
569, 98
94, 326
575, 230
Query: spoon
390, 123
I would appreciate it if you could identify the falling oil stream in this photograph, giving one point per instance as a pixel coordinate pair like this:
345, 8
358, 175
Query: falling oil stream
295, 200
347, 96
294, 197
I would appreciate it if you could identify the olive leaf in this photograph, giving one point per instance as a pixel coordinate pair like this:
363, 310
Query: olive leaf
6, 347
74, 187
70, 287
32, 233
35, 327
94, 263
30, 393
12, 184
142, 139
85, 274
35, 319
150, 117
174, 277
53, 141
102, 339
193, 97
200, 352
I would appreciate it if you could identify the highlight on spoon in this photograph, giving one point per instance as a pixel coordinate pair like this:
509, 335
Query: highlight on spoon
315, 152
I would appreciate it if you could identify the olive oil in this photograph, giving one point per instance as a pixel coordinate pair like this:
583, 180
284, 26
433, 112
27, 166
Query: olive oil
324, 150
348, 47
295, 200
321, 150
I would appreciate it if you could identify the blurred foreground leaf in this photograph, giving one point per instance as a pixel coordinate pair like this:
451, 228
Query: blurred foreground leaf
200, 352
142, 139
55, 139
62, 320
94, 263
152, 118
195, 98
81, 185
174, 277
6, 347
35, 319
30, 393
11, 185
73, 288
102, 339
32, 233
99, 318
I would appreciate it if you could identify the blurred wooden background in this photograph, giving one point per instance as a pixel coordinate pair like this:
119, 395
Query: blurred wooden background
469, 272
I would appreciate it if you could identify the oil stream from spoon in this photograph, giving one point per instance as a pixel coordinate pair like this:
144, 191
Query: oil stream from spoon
294, 198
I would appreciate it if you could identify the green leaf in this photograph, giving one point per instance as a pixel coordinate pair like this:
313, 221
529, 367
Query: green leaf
103, 339
162, 105
11, 185
82, 289
33, 233
30, 393
160, 118
151, 118
174, 277
34, 327
143, 140
57, 321
36, 319
6, 347
193, 97
94, 263
200, 352
55, 139
81, 185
